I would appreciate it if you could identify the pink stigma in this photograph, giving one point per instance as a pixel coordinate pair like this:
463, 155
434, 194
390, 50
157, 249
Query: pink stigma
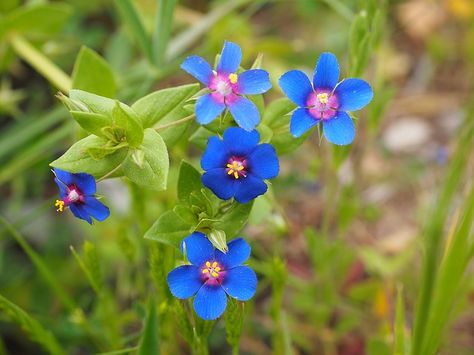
322, 104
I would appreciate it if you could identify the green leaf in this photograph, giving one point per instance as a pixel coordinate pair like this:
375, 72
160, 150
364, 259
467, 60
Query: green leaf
132, 20
163, 27
277, 118
94, 103
234, 320
92, 122
38, 19
90, 265
186, 214
149, 342
218, 239
401, 338
154, 171
92, 73
189, 180
164, 106
31, 326
234, 219
200, 137
124, 117
77, 158
169, 229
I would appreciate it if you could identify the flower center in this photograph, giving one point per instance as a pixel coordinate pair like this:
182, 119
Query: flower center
233, 78
223, 87
73, 196
211, 270
322, 104
236, 167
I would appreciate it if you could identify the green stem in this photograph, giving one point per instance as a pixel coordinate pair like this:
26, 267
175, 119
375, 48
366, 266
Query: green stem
109, 173
41, 63
175, 123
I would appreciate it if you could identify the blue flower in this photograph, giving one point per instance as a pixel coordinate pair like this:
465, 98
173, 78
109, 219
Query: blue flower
227, 87
325, 100
237, 165
213, 275
77, 192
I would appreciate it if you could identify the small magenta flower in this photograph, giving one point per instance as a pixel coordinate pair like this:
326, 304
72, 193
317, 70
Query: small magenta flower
213, 275
325, 100
237, 165
77, 192
227, 87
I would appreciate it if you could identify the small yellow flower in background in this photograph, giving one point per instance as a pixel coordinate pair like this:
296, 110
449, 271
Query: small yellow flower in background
463, 9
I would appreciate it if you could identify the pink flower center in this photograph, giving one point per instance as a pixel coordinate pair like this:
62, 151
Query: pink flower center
212, 272
223, 86
322, 104
236, 167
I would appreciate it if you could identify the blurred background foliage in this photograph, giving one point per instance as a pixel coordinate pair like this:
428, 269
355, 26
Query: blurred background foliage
333, 244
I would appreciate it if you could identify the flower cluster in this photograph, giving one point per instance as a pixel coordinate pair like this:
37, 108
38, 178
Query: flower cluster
236, 166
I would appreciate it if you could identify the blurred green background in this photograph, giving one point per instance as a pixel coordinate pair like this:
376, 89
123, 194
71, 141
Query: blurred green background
341, 231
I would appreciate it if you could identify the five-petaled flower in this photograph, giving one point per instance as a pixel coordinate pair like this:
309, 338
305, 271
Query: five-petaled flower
237, 165
325, 100
227, 87
213, 274
77, 192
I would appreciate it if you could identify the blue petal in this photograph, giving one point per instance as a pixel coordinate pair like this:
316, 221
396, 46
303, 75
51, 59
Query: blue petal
80, 212
95, 208
220, 183
63, 176
340, 129
296, 85
199, 68
239, 141
231, 57
326, 73
263, 161
210, 302
239, 252
254, 81
245, 113
184, 281
240, 283
207, 109
353, 94
249, 188
215, 155
85, 183
63, 189
198, 248
301, 121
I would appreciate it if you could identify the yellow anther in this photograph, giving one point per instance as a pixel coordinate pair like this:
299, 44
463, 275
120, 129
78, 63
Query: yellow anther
214, 274
60, 205
208, 263
236, 174
205, 271
240, 168
230, 166
214, 264
217, 269
323, 97
233, 78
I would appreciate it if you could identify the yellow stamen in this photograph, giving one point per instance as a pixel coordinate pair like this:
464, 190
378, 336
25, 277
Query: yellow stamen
60, 205
217, 269
236, 174
205, 271
214, 264
233, 78
323, 97
214, 274
208, 264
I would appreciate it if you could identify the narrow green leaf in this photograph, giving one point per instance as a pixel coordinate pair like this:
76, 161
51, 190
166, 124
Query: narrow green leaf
169, 229
401, 339
92, 73
90, 265
149, 342
134, 23
189, 181
234, 320
163, 27
154, 171
94, 103
31, 326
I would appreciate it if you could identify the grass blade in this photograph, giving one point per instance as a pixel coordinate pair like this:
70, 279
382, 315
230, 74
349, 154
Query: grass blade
401, 339
163, 27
